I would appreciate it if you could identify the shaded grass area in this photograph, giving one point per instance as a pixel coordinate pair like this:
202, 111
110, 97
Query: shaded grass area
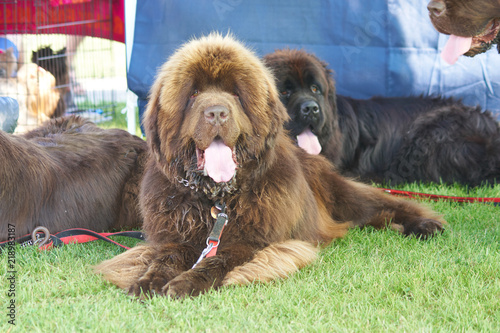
370, 280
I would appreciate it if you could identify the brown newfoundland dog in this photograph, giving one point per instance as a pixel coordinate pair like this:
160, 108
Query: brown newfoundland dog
69, 173
474, 25
214, 125
385, 140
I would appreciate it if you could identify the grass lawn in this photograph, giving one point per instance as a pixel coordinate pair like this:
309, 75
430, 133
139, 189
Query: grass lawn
375, 281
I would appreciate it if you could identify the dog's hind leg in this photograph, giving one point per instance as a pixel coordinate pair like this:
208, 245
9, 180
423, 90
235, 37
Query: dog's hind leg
125, 269
278, 260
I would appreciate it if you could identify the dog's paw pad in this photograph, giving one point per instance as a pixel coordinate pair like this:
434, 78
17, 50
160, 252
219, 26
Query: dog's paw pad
424, 228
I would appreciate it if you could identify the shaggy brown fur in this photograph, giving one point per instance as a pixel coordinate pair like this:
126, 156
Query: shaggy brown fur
281, 202
479, 19
388, 140
70, 173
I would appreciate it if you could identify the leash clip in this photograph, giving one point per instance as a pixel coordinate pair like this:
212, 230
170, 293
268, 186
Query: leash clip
203, 254
218, 212
40, 240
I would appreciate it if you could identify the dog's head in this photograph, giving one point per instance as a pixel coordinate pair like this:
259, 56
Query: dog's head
42, 94
213, 107
474, 25
8, 63
307, 90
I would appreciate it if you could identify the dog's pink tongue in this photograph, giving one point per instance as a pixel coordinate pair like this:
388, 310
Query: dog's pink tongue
455, 47
219, 163
309, 142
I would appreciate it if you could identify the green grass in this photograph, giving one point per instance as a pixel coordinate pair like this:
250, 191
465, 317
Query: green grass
369, 281
375, 281
120, 120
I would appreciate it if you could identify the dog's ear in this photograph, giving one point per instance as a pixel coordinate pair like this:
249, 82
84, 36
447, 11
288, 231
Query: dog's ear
150, 123
279, 113
332, 93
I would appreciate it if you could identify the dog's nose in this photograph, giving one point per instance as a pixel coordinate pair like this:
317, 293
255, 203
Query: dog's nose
436, 7
309, 108
217, 114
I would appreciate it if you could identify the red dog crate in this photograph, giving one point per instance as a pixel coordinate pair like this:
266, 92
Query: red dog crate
76, 41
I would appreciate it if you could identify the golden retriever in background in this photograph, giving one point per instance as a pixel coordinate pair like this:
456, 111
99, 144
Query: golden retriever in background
214, 126
35, 91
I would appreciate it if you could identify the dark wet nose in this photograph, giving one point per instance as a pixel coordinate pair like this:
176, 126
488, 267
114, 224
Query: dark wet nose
309, 108
436, 7
217, 114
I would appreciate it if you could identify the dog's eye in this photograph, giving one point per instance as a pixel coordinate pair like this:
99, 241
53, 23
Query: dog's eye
285, 93
195, 93
315, 89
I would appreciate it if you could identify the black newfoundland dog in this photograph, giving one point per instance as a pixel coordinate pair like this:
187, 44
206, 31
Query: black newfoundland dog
474, 25
385, 140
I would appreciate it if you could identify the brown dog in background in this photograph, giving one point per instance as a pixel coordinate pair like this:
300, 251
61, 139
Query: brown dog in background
69, 173
214, 126
474, 25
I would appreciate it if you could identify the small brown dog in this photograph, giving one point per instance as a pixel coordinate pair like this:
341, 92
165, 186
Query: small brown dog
35, 91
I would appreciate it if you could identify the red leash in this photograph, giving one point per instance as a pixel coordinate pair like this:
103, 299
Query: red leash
437, 197
219, 213
45, 240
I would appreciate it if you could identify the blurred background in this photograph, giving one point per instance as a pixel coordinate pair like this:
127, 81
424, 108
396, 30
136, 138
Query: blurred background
102, 55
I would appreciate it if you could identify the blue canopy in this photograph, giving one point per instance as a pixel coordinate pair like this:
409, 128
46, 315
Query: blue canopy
384, 48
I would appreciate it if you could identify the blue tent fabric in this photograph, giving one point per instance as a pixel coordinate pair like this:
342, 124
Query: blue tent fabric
376, 48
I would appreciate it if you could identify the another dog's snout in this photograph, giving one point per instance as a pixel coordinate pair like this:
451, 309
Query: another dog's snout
436, 7
309, 108
216, 114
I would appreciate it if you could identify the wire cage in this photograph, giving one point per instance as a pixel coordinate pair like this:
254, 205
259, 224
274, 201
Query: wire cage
57, 57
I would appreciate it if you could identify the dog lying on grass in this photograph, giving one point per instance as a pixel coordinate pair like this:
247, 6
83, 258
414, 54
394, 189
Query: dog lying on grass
69, 173
221, 160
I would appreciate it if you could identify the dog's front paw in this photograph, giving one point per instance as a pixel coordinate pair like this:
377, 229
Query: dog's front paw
147, 286
182, 287
424, 228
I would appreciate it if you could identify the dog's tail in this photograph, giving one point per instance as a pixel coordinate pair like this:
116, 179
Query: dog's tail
275, 261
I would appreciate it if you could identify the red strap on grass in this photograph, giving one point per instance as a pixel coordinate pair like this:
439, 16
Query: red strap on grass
437, 197
76, 235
